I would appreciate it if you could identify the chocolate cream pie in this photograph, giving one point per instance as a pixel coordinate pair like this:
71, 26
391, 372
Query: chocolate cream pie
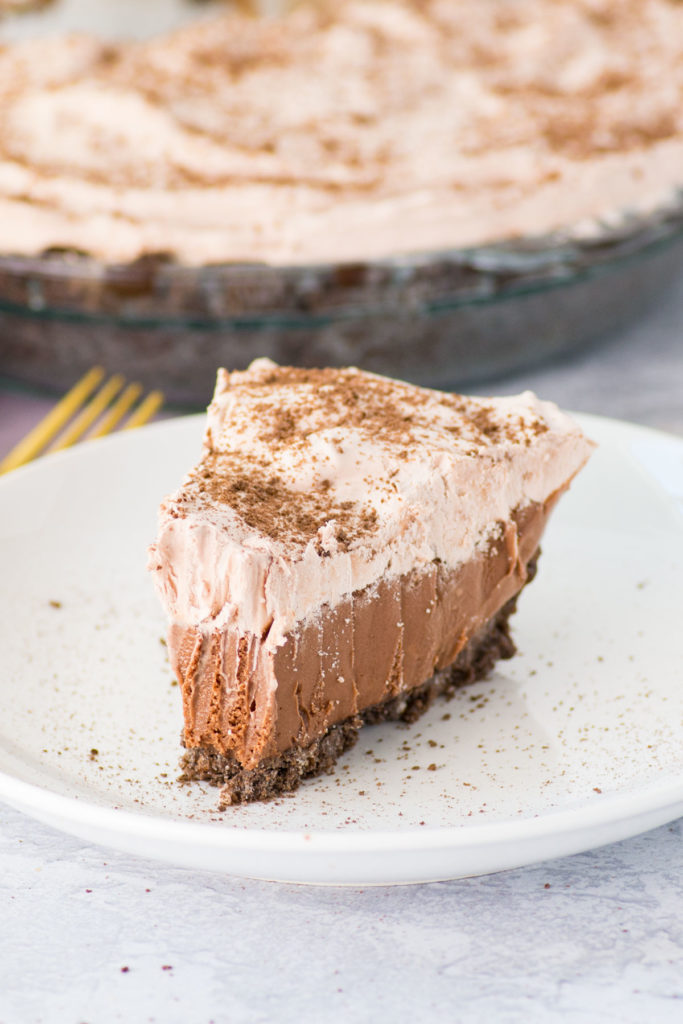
347, 548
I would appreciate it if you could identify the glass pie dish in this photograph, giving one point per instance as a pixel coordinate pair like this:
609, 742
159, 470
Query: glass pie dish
450, 318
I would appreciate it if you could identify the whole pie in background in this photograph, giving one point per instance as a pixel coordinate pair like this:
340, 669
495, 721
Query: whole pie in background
343, 131
443, 190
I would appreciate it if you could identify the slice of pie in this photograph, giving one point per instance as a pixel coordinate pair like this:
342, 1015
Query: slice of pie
347, 547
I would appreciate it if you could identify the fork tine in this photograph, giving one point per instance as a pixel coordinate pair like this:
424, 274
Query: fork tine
118, 410
93, 409
41, 435
147, 408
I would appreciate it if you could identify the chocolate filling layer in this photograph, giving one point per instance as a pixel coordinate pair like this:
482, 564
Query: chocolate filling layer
284, 772
384, 652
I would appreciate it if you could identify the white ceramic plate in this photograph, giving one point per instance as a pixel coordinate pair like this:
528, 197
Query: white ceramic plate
576, 742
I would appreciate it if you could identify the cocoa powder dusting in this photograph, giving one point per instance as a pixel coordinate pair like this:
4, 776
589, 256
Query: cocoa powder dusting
288, 407
277, 510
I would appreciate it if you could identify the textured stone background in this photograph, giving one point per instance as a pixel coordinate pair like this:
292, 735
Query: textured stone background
593, 938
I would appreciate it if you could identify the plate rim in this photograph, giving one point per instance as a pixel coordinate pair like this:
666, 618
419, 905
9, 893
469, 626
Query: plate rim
608, 811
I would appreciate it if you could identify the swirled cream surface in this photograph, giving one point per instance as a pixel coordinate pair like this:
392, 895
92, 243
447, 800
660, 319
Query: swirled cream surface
342, 132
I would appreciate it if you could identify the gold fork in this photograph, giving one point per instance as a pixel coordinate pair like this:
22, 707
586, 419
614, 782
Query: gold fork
77, 411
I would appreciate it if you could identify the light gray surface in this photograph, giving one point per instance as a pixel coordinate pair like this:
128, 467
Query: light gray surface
603, 943
636, 375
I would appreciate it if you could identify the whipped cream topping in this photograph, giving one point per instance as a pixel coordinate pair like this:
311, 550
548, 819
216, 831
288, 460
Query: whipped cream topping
430, 125
314, 484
